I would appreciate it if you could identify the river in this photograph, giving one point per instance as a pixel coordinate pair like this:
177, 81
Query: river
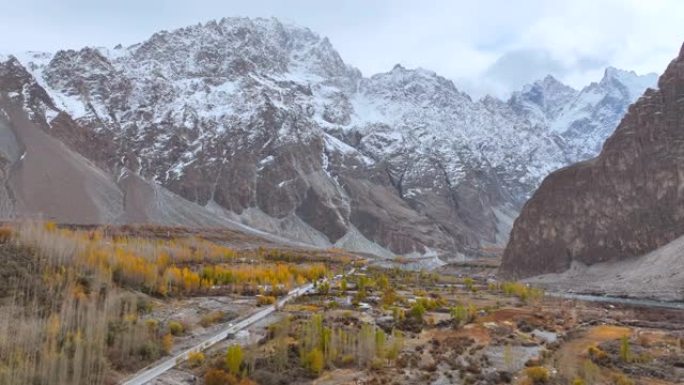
619, 300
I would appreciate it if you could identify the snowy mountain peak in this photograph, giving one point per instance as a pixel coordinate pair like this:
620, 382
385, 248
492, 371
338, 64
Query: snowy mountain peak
542, 100
551, 84
401, 73
239, 46
633, 83
416, 84
617, 72
265, 122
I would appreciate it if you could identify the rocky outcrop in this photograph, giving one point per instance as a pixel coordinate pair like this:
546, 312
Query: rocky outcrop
624, 203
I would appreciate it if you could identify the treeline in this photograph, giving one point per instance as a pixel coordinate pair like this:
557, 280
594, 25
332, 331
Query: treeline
165, 267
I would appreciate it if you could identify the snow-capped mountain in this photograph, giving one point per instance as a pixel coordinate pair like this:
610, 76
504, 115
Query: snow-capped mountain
262, 122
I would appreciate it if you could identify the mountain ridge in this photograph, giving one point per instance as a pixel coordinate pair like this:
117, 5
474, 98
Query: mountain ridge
264, 123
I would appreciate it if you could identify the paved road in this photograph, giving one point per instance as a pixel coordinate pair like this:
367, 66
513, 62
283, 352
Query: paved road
153, 372
150, 373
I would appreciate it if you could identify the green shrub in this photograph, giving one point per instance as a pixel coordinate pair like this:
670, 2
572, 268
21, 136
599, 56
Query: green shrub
417, 312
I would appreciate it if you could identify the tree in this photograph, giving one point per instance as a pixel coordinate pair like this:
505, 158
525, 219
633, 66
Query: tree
625, 350
537, 374
459, 315
167, 343
417, 312
366, 344
380, 341
361, 283
176, 328
315, 361
469, 283
389, 297
472, 313
196, 359
234, 357
395, 345
383, 282
219, 377
398, 314
324, 288
280, 333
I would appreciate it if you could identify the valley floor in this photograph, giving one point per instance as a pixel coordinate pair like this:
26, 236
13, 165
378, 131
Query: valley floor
472, 330
115, 300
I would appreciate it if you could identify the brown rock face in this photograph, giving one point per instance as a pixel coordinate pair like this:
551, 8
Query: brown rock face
624, 203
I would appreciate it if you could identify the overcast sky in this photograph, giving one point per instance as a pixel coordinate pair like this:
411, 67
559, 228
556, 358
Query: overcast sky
485, 46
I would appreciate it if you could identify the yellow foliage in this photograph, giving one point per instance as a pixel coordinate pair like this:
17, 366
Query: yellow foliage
522, 291
152, 325
212, 318
538, 374
234, 357
597, 355
219, 377
176, 328
167, 343
315, 361
165, 267
263, 300
196, 359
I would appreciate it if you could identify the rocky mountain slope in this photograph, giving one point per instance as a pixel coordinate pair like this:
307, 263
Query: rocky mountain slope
43, 178
263, 123
623, 204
